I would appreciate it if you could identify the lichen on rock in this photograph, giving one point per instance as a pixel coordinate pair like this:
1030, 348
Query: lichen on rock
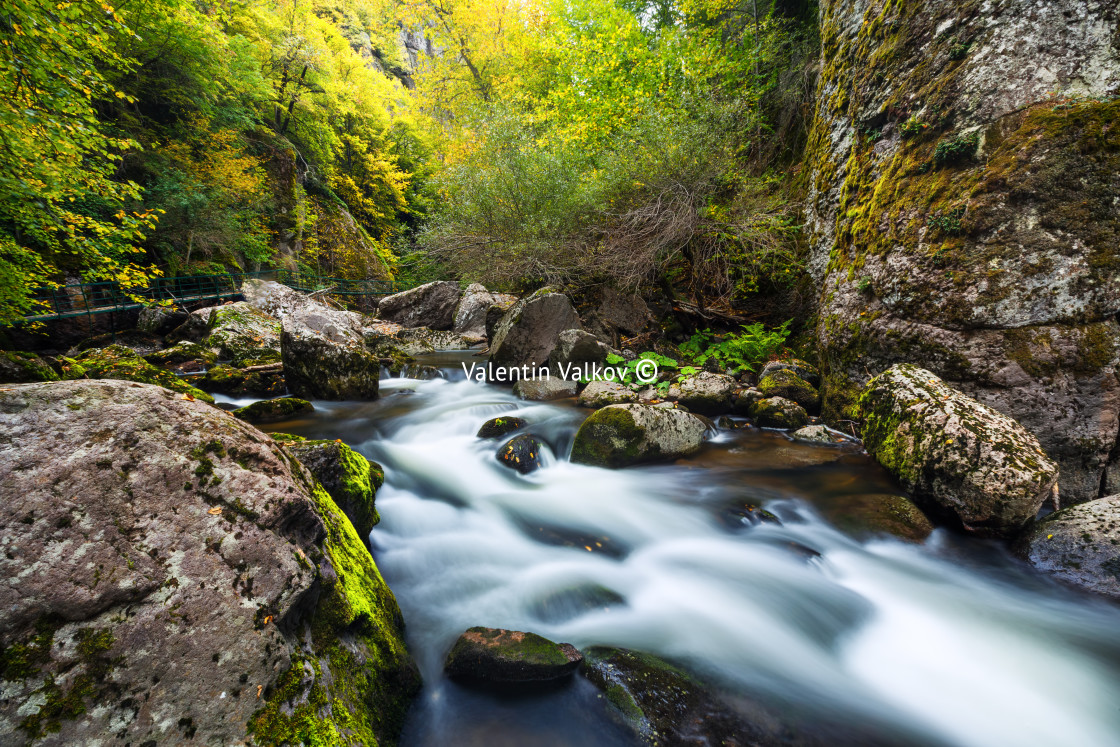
621, 435
959, 459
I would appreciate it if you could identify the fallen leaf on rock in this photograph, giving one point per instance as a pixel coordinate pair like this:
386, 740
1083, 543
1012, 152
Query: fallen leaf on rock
188, 397
216, 510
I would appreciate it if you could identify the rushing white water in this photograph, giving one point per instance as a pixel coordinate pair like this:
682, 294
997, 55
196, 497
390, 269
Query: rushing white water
948, 642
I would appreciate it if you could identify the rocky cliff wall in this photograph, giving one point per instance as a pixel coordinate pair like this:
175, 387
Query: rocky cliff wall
964, 211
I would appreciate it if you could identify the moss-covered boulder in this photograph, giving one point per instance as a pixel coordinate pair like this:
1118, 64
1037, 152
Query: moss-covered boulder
181, 354
806, 371
743, 401
602, 393
784, 382
521, 453
500, 426
252, 382
493, 655
963, 164
244, 335
21, 368
119, 362
959, 459
350, 479
779, 412
1079, 546
707, 393
273, 410
163, 550
866, 515
621, 435
325, 356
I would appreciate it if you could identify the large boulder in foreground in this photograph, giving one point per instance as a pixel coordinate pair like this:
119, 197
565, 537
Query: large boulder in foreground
161, 553
1079, 545
959, 459
496, 656
620, 435
350, 479
530, 330
325, 356
430, 305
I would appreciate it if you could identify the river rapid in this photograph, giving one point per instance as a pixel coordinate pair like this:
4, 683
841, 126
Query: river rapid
947, 642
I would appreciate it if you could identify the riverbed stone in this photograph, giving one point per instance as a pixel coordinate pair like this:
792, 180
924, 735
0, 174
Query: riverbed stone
621, 435
866, 515
276, 299
325, 356
529, 332
161, 553
273, 410
707, 393
743, 400
430, 305
349, 478
602, 393
119, 362
242, 382
544, 388
577, 350
818, 434
521, 453
495, 655
784, 382
194, 328
1079, 545
960, 460
500, 426
779, 412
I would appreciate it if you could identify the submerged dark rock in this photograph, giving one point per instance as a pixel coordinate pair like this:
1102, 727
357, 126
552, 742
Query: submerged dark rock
522, 453
493, 655
273, 410
500, 426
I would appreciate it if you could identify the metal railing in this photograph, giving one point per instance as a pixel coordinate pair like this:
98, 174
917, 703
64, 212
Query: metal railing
87, 299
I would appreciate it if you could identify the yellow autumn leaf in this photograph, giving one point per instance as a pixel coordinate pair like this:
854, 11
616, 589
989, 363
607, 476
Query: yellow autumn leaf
215, 511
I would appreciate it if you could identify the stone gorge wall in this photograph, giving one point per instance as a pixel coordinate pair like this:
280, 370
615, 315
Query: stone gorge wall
964, 211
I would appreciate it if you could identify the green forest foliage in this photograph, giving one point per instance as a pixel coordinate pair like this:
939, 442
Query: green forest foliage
542, 140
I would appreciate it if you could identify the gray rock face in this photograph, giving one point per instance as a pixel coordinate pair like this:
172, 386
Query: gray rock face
530, 331
430, 305
495, 655
620, 435
470, 315
708, 393
275, 299
544, 389
325, 356
417, 340
602, 393
1079, 545
576, 349
958, 458
194, 328
975, 231
158, 554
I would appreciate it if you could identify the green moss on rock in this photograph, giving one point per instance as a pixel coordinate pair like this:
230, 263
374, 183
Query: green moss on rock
348, 477
20, 368
119, 362
273, 410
